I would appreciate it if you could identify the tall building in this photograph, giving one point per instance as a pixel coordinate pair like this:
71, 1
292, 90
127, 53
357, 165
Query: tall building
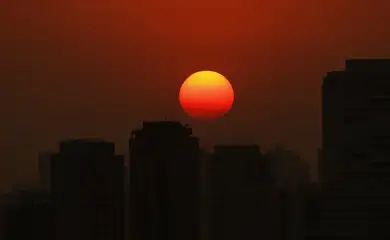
355, 126
319, 165
240, 207
164, 182
126, 202
44, 169
355, 160
290, 174
205, 190
87, 191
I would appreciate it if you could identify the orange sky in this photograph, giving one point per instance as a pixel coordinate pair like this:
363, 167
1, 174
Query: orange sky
90, 68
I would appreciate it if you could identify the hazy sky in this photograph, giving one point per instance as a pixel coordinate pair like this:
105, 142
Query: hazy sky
88, 68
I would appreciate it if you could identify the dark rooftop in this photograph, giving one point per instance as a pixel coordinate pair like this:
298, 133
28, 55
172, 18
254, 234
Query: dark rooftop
368, 65
87, 146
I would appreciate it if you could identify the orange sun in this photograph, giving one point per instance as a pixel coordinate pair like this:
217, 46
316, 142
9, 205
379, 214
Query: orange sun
206, 95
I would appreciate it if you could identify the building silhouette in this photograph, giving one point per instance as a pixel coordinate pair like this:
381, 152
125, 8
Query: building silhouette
164, 182
355, 126
240, 207
126, 202
319, 167
27, 215
44, 159
87, 191
2, 215
354, 202
205, 192
348, 216
289, 174
286, 168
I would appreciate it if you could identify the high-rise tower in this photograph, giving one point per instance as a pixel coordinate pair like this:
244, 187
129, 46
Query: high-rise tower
87, 191
164, 182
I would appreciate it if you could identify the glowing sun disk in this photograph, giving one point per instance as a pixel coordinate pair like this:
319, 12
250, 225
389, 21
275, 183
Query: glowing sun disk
206, 95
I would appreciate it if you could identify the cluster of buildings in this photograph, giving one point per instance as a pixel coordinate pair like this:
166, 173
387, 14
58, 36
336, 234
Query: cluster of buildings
172, 190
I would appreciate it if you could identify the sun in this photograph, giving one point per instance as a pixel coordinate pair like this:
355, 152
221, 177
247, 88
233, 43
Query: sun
206, 95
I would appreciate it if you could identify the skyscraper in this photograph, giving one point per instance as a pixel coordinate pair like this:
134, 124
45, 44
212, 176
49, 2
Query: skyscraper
356, 131
87, 191
238, 208
355, 159
205, 191
164, 182
126, 202
290, 174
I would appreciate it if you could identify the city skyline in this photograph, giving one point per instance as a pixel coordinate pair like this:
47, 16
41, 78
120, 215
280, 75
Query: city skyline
67, 65
174, 189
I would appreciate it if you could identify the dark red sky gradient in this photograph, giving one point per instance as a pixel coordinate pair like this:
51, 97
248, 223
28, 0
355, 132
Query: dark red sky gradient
90, 68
